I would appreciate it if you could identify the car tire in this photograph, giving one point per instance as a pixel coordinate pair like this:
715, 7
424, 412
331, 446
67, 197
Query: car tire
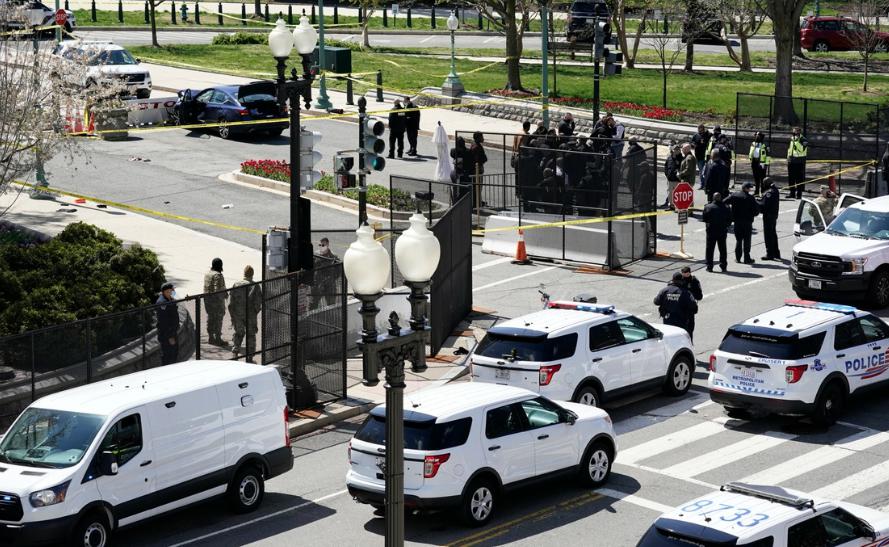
246, 491
829, 405
878, 292
679, 376
143, 93
479, 502
223, 130
821, 46
738, 413
588, 395
93, 530
275, 132
595, 467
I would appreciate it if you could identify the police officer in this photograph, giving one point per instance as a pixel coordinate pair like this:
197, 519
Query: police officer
168, 324
744, 210
244, 305
411, 125
797, 151
214, 301
759, 160
397, 127
718, 218
768, 206
694, 287
675, 304
716, 176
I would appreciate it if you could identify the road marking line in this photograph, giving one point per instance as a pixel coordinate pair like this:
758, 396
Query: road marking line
691, 480
821, 457
728, 454
259, 519
635, 500
855, 483
492, 39
670, 441
745, 284
516, 278
424, 40
490, 263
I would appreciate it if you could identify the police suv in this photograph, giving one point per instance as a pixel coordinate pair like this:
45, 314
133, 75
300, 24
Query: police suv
804, 358
767, 516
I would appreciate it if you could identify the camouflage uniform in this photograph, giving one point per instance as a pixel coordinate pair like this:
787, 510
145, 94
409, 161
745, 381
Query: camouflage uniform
244, 306
214, 304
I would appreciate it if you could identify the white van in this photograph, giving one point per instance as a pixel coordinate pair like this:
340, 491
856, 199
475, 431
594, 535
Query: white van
78, 464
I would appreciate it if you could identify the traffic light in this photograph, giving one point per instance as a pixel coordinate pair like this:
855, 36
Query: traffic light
613, 62
342, 164
373, 145
309, 158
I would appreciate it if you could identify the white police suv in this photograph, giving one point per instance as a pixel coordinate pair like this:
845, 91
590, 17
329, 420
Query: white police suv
587, 353
466, 444
804, 358
767, 516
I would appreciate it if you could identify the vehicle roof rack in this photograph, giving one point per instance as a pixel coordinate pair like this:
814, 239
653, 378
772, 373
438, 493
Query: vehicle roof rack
771, 493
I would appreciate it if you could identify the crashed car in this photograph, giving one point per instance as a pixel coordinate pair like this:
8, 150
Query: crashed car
224, 105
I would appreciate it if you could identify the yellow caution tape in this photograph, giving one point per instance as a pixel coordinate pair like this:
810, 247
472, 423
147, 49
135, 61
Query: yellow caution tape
30, 30
833, 174
479, 69
576, 222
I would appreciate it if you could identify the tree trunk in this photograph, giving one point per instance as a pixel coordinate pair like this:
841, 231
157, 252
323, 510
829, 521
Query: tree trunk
151, 10
746, 64
664, 74
784, 77
866, 70
689, 55
513, 73
365, 37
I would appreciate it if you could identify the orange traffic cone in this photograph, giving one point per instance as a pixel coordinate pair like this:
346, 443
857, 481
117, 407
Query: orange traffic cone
521, 256
832, 183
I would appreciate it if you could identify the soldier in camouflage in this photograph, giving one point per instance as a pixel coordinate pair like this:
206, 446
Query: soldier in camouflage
244, 307
214, 304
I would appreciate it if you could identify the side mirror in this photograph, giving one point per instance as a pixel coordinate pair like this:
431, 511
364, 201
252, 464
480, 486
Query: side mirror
569, 417
658, 334
138, 61
108, 463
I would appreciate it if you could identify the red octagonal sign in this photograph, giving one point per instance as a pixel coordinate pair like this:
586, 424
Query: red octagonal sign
683, 196
61, 17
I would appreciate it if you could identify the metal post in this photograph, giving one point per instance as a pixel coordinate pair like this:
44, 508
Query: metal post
379, 86
817, 8
409, 22
119, 11
197, 329
147, 15
289, 14
93, 11
395, 455
596, 76
544, 84
265, 13
33, 367
173, 11
734, 163
336, 14
59, 29
243, 14
432, 19
481, 23
350, 97
144, 327
197, 12
362, 188
323, 101
551, 27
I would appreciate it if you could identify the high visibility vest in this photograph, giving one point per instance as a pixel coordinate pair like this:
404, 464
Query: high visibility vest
798, 148
763, 152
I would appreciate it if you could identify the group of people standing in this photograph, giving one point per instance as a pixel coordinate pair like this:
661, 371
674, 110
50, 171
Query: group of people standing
403, 120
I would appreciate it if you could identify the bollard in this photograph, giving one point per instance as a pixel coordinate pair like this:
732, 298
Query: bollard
147, 14
480, 22
219, 16
385, 16
183, 8
380, 85
266, 13
359, 15
349, 96
66, 5
312, 18
433, 18
197, 13
243, 14
289, 14
336, 14
173, 11
409, 24
93, 12
119, 11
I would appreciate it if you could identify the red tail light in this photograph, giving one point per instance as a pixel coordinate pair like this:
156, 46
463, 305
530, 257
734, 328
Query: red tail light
432, 463
713, 363
795, 373
244, 112
547, 373
287, 427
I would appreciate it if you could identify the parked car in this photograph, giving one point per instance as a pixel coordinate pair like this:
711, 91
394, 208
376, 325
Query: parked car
104, 62
582, 17
466, 444
837, 34
80, 463
587, 353
233, 103
34, 14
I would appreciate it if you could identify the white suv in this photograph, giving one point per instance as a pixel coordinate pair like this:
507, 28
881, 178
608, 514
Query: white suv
465, 443
105, 62
804, 358
587, 353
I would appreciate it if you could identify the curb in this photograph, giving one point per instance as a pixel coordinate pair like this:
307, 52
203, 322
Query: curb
339, 31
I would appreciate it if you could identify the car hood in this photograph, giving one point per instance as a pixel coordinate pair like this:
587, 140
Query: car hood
22, 480
842, 246
121, 69
584, 412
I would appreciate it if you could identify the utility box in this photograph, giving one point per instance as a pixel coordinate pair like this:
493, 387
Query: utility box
336, 59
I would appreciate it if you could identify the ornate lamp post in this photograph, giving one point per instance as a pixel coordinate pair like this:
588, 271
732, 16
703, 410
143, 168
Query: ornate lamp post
452, 86
323, 101
367, 267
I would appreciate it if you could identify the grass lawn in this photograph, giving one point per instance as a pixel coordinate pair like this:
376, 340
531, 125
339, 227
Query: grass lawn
704, 92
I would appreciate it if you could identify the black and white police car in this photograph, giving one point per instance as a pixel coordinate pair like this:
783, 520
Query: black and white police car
767, 516
804, 358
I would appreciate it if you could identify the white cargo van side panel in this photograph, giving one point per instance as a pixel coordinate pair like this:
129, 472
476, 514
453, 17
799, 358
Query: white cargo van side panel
252, 415
189, 440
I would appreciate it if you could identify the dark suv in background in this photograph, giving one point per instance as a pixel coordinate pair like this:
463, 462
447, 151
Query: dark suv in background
582, 20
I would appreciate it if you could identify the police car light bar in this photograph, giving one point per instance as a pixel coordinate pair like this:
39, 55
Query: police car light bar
595, 308
771, 493
839, 308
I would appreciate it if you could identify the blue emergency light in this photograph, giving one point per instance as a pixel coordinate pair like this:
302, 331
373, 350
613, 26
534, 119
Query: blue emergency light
838, 308
595, 308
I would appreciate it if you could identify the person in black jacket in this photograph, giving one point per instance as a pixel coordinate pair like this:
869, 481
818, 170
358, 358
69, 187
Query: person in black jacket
460, 176
718, 218
701, 141
412, 125
397, 126
716, 178
744, 210
168, 324
694, 287
671, 171
768, 206
675, 303
567, 125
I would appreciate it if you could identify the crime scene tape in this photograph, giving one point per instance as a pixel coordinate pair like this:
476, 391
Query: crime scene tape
277, 15
576, 222
30, 30
833, 174
462, 73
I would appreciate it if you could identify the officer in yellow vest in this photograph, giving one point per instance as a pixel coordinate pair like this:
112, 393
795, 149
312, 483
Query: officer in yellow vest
797, 151
759, 160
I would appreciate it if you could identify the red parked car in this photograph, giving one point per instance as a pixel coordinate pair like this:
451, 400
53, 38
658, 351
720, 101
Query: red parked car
837, 33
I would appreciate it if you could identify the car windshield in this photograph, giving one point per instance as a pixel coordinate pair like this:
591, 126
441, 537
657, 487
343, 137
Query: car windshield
418, 435
49, 438
527, 348
113, 57
855, 222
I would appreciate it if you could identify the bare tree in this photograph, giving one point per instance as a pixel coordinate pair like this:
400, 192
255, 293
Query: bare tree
152, 9
666, 47
618, 9
862, 30
508, 17
785, 16
367, 8
743, 18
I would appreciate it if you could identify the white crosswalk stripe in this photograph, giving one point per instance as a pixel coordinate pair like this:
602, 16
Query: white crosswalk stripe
671, 441
728, 454
855, 483
820, 457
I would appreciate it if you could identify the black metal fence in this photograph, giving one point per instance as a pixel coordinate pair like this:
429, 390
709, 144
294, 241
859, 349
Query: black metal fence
844, 137
253, 319
451, 290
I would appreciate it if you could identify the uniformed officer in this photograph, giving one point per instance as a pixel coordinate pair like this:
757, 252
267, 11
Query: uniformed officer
768, 205
744, 210
168, 324
214, 301
759, 160
694, 287
718, 218
675, 304
244, 305
797, 151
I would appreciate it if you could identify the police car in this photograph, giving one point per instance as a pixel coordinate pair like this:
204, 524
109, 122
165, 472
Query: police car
804, 358
584, 352
767, 516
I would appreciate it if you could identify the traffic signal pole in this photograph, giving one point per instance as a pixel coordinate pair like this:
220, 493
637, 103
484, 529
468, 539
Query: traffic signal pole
596, 69
362, 187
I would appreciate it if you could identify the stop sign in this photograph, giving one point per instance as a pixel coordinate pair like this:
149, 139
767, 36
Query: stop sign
683, 196
61, 17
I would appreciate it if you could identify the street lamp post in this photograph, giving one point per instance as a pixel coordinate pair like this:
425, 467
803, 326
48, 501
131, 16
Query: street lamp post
452, 86
323, 101
367, 267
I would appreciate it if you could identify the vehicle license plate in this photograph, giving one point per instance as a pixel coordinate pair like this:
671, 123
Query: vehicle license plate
749, 373
814, 283
501, 374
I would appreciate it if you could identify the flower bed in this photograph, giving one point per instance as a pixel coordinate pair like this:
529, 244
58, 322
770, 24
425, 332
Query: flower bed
270, 169
630, 109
